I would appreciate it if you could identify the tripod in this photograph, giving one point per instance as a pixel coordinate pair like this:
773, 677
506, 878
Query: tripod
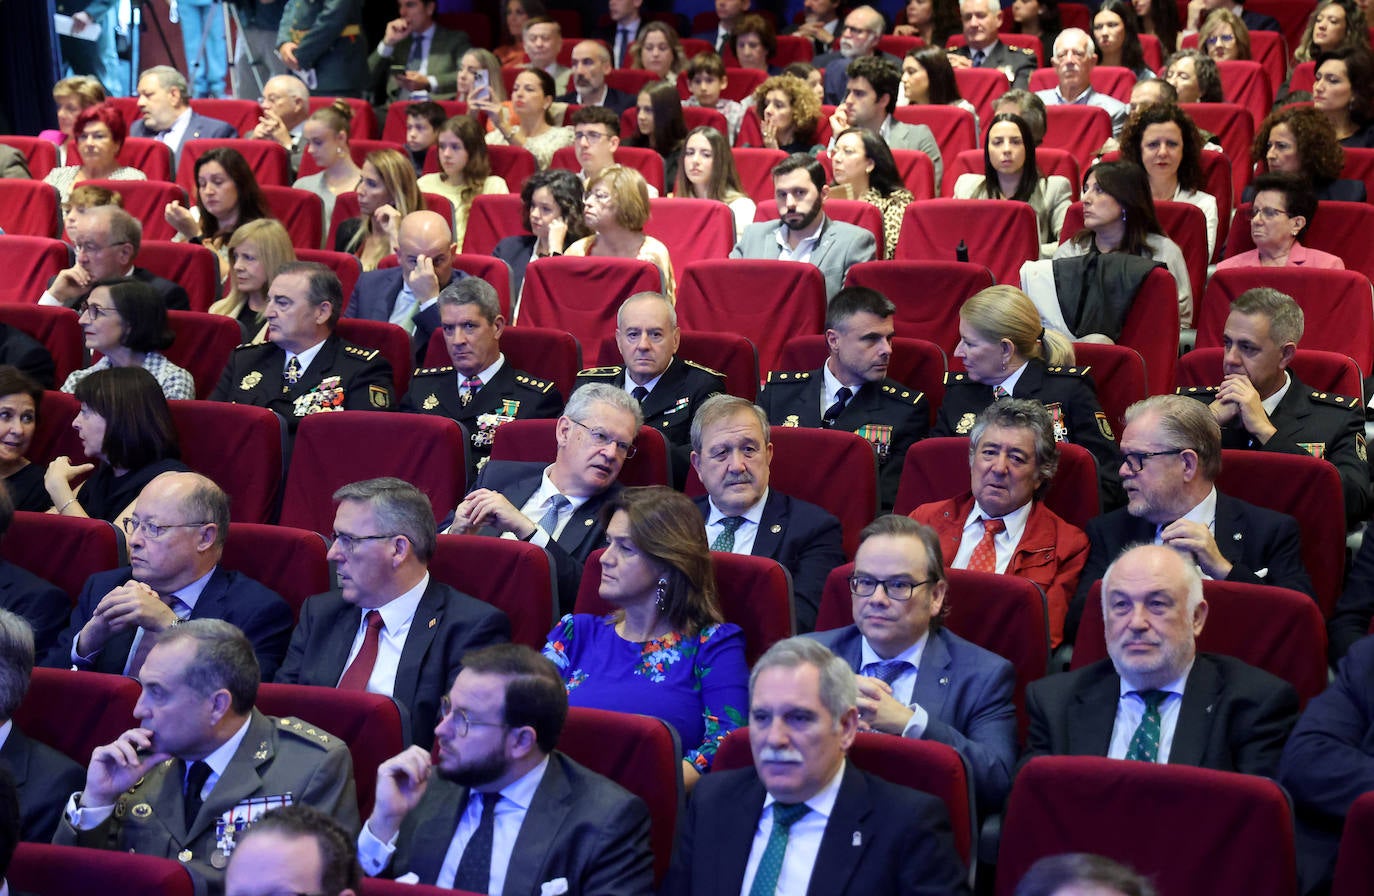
244, 46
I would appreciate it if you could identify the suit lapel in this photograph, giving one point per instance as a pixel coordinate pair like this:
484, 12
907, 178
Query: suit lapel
1195, 714
431, 839
212, 603
825, 243
772, 526
1092, 714
732, 837
16, 752
342, 629
843, 843
582, 522
1229, 530
428, 614
548, 809
932, 679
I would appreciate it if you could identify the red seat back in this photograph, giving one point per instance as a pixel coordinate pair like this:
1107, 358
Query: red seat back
146, 200
32, 261
491, 218
1324, 371
40, 154
642, 159
1304, 77
513, 164
981, 87
363, 124
1183, 223
1359, 165
95, 709
1355, 861
536, 440
387, 338
932, 312
1151, 328
194, 267
29, 208
63, 550
899, 44
241, 447
345, 266
698, 116
54, 436
514, 576
1235, 128
268, 159
301, 212
581, 295
241, 115
755, 166
1118, 374
692, 229
394, 128
953, 127
203, 345
56, 329
1078, 130
47, 870
916, 363
152, 157
630, 80
1247, 84
731, 354
292, 562
1337, 227
1001, 234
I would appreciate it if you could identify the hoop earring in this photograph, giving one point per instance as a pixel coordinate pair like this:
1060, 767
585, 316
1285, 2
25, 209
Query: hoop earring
661, 592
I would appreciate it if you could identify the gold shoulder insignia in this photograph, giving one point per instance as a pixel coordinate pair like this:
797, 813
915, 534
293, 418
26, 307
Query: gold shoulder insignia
301, 731
430, 371
600, 371
788, 376
247, 345
1340, 401
531, 382
1069, 371
359, 351
691, 363
951, 377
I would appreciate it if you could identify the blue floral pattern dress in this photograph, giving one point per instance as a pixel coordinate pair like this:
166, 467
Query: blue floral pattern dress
699, 685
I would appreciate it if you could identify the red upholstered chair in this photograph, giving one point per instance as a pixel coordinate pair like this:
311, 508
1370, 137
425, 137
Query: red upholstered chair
629, 80
514, 576
301, 212
40, 154
151, 156
1194, 827
146, 200
1275, 629
1306, 489
730, 354
755, 593
423, 449
953, 127
1183, 223
1235, 128
1113, 80
1355, 861
1338, 228
1247, 84
1001, 234
47, 870
1079, 130
29, 208
932, 312
243, 115
64, 550
380, 886
95, 708
755, 166
56, 328
1154, 52
644, 160
899, 45
1359, 165
697, 117
1325, 371
916, 363
1048, 161
394, 128
535, 440
1304, 77
363, 124
792, 48
1151, 328
347, 267
1336, 305
387, 338
937, 469
240, 447
203, 344
292, 562
195, 267
440, 205
641, 754
30, 262
692, 228
581, 295
54, 435
269, 160
981, 87
1118, 374
750, 131
542, 351
372, 725
493, 270
789, 299
513, 164
491, 218
742, 82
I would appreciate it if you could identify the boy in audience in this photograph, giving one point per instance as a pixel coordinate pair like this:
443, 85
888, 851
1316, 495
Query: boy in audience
423, 121
706, 79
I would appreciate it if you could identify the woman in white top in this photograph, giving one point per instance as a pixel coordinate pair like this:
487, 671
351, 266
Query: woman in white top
126, 322
708, 172
326, 139
100, 135
1010, 172
616, 208
1163, 140
529, 122
466, 171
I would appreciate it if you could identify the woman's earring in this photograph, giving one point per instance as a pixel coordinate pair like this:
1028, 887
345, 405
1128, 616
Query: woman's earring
661, 592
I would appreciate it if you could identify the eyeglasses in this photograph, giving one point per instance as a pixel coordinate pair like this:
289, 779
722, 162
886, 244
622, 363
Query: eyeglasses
897, 589
589, 136
96, 312
153, 531
600, 196
94, 248
1268, 214
1221, 39
601, 439
853, 29
465, 722
1135, 460
349, 543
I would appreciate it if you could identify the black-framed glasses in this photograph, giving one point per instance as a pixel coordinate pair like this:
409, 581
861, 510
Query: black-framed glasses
93, 248
601, 438
349, 543
1135, 460
465, 722
151, 530
1268, 214
96, 312
896, 589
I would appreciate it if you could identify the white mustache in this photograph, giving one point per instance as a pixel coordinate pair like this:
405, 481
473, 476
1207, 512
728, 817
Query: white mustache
772, 754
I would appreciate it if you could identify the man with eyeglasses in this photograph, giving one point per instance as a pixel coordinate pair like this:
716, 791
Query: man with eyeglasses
982, 49
294, 850
858, 38
390, 627
558, 506
596, 137
497, 809
176, 538
109, 242
669, 389
916, 678
1074, 60
591, 63
1171, 457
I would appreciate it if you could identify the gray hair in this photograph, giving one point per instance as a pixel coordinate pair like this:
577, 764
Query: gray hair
642, 296
292, 86
169, 79
1077, 34
991, 5
720, 407
1192, 576
472, 291
1021, 413
839, 692
400, 507
584, 397
1286, 320
1184, 423
124, 227
322, 285
16, 661
224, 659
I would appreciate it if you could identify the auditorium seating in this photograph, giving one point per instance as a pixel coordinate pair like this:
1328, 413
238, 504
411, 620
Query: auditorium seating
730, 354
1078, 130
149, 155
1048, 161
241, 114
915, 363
43, 869
755, 165
1246, 83
1337, 227
514, 576
1321, 370
692, 228
1355, 860
387, 338
1113, 80
202, 345
290, 561
241, 447
1151, 328
1181, 222
394, 128
999, 233
536, 440
40, 153
194, 267
1235, 129
301, 212
345, 266
269, 160
56, 329
357, 149
63, 550
981, 87
513, 164
54, 435
492, 217
642, 159
581, 295
953, 127
1118, 375
75, 712
363, 124
29, 208
147, 201
931, 312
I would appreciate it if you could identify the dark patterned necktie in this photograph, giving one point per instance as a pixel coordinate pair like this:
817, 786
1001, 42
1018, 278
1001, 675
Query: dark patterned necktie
474, 868
1145, 742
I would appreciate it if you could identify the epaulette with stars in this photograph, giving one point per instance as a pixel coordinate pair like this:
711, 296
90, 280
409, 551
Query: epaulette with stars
1068, 371
899, 394
360, 352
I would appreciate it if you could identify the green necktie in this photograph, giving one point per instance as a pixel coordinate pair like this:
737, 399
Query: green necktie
1145, 742
725, 541
770, 866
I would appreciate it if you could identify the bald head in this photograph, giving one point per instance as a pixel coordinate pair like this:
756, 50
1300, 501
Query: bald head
288, 98
1153, 611
190, 515
427, 234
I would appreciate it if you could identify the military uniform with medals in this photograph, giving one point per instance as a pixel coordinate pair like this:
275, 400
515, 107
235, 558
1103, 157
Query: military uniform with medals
280, 761
341, 377
889, 415
510, 395
1309, 421
1067, 393
1017, 63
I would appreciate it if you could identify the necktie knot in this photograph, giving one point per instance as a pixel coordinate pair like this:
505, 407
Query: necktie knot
978, 57
998, 393
788, 814
359, 672
994, 526
639, 393
1152, 699
373, 619
1144, 745
549, 521
887, 671
725, 541
832, 413
984, 556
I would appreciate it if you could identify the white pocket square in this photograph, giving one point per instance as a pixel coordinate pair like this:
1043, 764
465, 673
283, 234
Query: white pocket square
1262, 573
409, 878
555, 887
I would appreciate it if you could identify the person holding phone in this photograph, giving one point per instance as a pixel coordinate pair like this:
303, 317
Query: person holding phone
417, 58
479, 81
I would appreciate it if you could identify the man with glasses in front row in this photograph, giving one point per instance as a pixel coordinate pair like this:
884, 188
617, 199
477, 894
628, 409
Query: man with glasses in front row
390, 627
558, 506
109, 242
175, 536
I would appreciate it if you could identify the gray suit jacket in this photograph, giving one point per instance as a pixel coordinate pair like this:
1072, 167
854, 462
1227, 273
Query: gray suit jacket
444, 55
13, 164
840, 247
200, 127
901, 135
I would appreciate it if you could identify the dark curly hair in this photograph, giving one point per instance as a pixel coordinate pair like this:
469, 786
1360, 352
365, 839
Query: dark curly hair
1190, 176
1320, 153
566, 189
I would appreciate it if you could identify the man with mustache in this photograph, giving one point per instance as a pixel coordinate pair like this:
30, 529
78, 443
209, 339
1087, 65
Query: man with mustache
1156, 699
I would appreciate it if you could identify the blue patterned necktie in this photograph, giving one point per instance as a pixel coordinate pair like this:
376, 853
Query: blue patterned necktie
474, 868
549, 521
886, 671
725, 541
770, 866
1145, 742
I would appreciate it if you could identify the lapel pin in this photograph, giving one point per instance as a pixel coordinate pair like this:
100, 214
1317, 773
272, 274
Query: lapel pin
858, 839
586, 522
1236, 536
775, 528
433, 622
1209, 707
944, 680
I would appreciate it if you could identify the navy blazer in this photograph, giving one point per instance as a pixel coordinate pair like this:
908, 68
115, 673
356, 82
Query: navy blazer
200, 127
616, 100
967, 692
42, 604
257, 610
516, 252
880, 839
45, 778
805, 539
374, 297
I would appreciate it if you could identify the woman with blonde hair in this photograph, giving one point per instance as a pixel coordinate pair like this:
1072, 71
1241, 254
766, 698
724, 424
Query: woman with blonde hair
387, 193
789, 112
257, 251
1333, 25
616, 208
476, 88
326, 134
73, 96
466, 171
1224, 37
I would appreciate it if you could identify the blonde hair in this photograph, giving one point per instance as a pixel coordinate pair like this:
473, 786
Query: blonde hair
274, 251
85, 88
398, 176
1005, 312
628, 191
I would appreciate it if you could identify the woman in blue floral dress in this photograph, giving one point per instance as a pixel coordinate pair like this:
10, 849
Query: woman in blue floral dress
665, 651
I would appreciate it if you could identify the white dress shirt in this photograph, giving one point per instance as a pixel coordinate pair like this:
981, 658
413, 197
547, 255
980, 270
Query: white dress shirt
397, 616
803, 840
746, 532
1004, 542
1130, 709
537, 506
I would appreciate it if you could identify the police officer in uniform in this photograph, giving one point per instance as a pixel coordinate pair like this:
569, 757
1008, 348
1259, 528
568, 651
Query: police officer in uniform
303, 368
851, 390
480, 390
981, 20
669, 389
1260, 403
204, 763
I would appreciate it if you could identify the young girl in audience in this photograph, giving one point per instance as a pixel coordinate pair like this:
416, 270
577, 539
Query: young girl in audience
529, 123
928, 79
1344, 93
326, 134
100, 135
553, 216
1333, 25
473, 87
708, 172
658, 50
1010, 172
257, 251
1163, 140
227, 197
125, 322
865, 170
789, 112
466, 171
1118, 42
1224, 36
20, 401
661, 126
387, 193
73, 96
933, 21
1160, 18
616, 207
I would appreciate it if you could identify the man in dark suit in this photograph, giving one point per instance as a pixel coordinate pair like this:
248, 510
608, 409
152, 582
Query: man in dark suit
1156, 699
285, 103
858, 38
731, 453
1172, 456
294, 849
408, 294
564, 825
669, 389
1262, 405
803, 819
303, 368
727, 12
429, 54
621, 33
982, 19
39, 603
44, 777
391, 628
916, 678
480, 390
851, 391
164, 107
322, 43
558, 506
1198, 11
176, 538
109, 243
591, 62
203, 763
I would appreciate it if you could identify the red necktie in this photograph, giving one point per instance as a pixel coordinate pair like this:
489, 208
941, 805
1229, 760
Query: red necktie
984, 557
360, 670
